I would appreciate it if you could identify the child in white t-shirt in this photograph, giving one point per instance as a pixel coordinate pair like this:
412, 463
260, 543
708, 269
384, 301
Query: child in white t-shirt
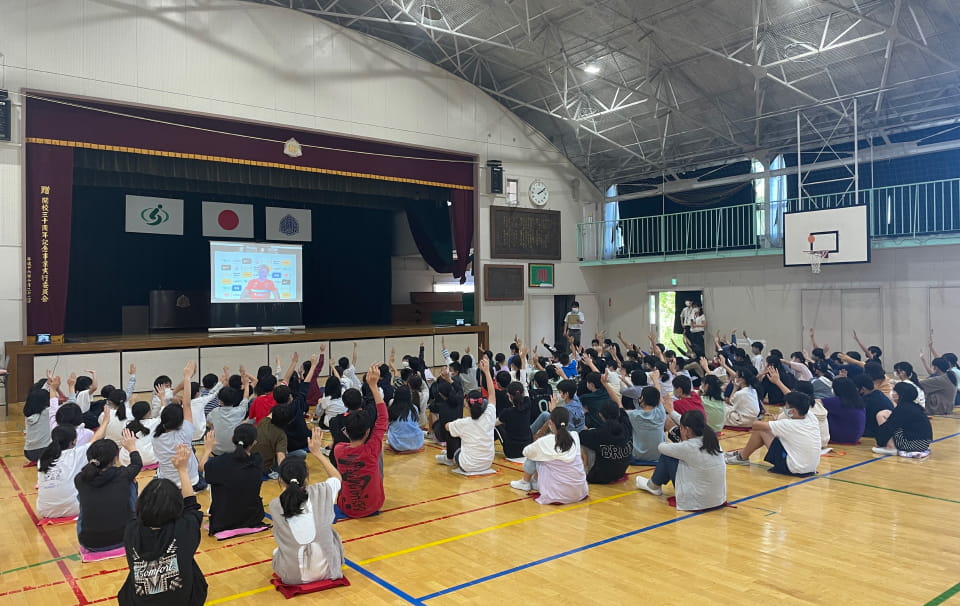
793, 444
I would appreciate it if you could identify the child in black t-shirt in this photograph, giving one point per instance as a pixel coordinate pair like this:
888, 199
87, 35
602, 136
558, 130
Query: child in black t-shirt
514, 423
447, 407
608, 447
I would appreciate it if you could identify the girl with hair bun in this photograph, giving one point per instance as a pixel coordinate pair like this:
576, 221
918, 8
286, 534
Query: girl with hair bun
554, 466
107, 493
234, 480
906, 430
308, 547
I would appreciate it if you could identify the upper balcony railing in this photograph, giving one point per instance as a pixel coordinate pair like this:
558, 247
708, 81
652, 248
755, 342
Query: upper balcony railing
901, 211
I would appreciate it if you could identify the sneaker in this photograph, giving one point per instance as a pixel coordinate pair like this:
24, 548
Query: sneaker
914, 455
644, 484
884, 451
534, 487
443, 460
521, 485
734, 458
30, 464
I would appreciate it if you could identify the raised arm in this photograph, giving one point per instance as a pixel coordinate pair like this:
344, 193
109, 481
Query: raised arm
131, 381
813, 339
611, 391
484, 365
353, 358
933, 351
94, 385
188, 371
391, 361
923, 360
293, 365
315, 361
180, 460
315, 446
863, 347
848, 360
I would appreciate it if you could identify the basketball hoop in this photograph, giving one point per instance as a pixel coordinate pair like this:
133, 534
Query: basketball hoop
816, 257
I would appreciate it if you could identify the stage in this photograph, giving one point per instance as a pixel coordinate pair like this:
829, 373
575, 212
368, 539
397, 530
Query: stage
166, 353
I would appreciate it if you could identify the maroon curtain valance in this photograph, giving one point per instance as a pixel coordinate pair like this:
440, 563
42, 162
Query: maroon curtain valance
99, 125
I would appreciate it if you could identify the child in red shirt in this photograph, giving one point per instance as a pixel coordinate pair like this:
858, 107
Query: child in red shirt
358, 461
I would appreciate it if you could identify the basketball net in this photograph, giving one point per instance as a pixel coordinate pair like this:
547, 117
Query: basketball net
816, 257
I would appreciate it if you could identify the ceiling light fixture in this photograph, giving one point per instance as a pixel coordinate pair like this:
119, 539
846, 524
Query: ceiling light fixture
591, 68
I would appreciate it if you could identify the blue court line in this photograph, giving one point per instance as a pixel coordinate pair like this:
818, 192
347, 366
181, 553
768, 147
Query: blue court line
389, 587
632, 533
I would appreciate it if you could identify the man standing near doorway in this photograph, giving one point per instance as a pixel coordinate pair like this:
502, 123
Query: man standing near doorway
573, 323
686, 316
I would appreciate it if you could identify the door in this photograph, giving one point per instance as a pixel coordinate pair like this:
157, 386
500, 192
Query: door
862, 313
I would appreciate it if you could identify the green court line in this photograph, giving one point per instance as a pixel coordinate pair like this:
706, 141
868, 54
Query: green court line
73, 556
943, 597
915, 494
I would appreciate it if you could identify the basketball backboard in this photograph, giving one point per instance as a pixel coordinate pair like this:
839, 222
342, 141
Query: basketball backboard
842, 234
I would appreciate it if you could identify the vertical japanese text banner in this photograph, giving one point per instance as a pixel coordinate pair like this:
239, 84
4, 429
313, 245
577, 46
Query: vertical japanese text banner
49, 200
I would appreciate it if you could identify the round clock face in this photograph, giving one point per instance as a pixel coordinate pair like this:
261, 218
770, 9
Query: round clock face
539, 193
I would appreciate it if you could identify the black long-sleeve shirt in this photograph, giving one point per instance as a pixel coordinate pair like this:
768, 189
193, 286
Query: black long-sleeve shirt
106, 504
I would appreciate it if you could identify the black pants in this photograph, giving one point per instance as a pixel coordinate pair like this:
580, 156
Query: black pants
576, 336
696, 343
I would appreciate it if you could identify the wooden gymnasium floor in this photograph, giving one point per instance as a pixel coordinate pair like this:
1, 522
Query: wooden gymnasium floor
867, 530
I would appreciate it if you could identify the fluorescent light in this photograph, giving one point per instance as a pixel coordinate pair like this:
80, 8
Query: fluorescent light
591, 68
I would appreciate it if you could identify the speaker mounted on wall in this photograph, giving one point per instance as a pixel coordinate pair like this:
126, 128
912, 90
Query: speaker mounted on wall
496, 176
4, 116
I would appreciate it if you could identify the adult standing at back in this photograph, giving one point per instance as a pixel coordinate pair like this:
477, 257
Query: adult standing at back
573, 323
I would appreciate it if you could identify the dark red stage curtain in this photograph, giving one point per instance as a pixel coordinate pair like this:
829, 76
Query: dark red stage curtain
461, 210
438, 230
49, 208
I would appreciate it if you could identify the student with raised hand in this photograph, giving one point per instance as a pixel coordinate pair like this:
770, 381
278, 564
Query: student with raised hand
231, 412
695, 465
59, 465
235, 481
359, 459
940, 388
117, 402
568, 399
743, 405
142, 428
872, 352
906, 430
711, 393
176, 428
162, 541
107, 493
793, 443
816, 407
81, 389
69, 414
554, 466
475, 433
513, 422
38, 418
309, 548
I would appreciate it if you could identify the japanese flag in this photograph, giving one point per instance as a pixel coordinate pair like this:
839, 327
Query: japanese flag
223, 220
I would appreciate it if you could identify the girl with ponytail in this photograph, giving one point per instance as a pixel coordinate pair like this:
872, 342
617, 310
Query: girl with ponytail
308, 547
176, 428
142, 429
235, 480
553, 463
695, 465
59, 464
403, 433
117, 402
107, 493
903, 373
475, 454
38, 418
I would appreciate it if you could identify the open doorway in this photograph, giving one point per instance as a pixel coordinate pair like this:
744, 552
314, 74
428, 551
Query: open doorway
665, 311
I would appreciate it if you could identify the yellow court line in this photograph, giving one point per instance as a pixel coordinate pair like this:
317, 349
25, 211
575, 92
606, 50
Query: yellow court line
237, 596
491, 528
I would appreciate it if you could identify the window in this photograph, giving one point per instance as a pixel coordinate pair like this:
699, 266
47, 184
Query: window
778, 200
612, 234
513, 192
451, 284
760, 197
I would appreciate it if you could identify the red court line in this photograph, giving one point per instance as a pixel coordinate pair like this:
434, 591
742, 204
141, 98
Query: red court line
31, 588
459, 494
69, 578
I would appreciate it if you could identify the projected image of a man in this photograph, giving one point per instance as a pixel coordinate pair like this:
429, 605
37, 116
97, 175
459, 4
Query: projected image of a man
261, 287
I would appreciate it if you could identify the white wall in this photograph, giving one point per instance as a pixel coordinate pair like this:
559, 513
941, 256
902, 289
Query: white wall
760, 295
273, 65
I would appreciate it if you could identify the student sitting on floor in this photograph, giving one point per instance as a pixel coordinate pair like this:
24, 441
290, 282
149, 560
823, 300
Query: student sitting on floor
404, 433
309, 548
647, 426
568, 399
107, 494
331, 404
906, 430
162, 541
359, 459
37, 416
711, 392
70, 414
175, 428
793, 444
475, 432
816, 407
695, 465
554, 466
142, 429
234, 480
743, 408
874, 401
120, 414
606, 449
845, 412
513, 422
446, 407
59, 465
231, 412
272, 439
